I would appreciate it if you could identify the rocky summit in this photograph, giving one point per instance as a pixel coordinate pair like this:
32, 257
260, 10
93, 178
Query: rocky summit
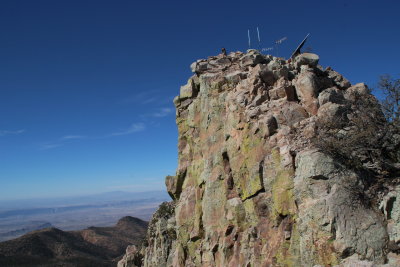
281, 163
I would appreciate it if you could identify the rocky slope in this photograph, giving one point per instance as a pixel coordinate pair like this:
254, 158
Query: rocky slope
95, 246
281, 163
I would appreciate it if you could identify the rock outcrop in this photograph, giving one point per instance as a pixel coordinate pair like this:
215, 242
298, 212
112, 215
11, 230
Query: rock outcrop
264, 175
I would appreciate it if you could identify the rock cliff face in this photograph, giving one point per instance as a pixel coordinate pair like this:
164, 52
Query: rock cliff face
276, 169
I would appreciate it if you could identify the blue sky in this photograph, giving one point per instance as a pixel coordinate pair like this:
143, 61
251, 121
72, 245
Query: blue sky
86, 87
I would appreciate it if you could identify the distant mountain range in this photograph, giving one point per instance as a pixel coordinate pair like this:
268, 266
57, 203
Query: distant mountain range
28, 228
73, 213
95, 246
52, 210
92, 199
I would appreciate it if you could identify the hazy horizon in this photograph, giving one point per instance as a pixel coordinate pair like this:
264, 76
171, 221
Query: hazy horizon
72, 195
18, 217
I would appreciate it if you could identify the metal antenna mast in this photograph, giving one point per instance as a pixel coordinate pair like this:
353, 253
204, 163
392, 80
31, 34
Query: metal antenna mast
259, 40
279, 42
248, 36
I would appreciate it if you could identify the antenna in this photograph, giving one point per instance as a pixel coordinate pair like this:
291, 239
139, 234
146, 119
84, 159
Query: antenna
248, 36
259, 40
279, 42
297, 51
267, 49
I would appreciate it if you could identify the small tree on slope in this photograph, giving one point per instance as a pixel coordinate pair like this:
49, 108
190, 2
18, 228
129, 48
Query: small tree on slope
391, 89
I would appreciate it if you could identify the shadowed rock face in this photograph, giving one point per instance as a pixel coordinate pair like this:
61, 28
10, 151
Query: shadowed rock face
252, 186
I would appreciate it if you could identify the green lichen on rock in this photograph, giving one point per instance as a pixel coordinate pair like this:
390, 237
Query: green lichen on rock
251, 189
247, 165
282, 189
283, 257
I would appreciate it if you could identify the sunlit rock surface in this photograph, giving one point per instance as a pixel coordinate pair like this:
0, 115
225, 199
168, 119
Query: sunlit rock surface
253, 188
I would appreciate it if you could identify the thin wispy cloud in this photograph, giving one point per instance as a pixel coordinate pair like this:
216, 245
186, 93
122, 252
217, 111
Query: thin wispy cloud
135, 127
50, 146
158, 113
73, 137
8, 132
162, 112
150, 97
68, 139
150, 100
61, 141
145, 97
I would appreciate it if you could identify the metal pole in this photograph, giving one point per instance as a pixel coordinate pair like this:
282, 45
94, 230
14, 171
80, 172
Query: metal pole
248, 36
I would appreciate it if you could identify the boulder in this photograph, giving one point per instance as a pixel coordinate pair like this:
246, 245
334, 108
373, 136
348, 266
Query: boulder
313, 164
309, 59
189, 90
174, 184
252, 58
283, 88
259, 99
356, 91
338, 79
220, 62
293, 113
176, 101
267, 76
332, 94
273, 65
193, 67
236, 76
307, 91
277, 93
199, 66
332, 112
